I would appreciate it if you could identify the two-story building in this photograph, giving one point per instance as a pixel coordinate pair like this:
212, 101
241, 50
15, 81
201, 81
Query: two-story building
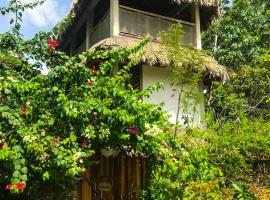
106, 24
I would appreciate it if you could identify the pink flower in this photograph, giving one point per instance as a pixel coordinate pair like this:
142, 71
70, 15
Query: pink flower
84, 145
20, 186
58, 139
9, 186
54, 143
52, 44
133, 131
94, 70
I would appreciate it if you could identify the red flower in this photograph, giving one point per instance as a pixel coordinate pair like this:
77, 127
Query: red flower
94, 70
24, 110
9, 186
84, 145
20, 186
133, 131
90, 83
52, 44
166, 129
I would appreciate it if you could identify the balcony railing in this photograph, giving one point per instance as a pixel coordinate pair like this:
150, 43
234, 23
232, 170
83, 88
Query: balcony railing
141, 24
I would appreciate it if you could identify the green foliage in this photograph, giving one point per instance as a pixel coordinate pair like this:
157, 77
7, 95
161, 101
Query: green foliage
236, 146
240, 41
187, 70
242, 193
187, 174
242, 33
45, 119
53, 124
240, 108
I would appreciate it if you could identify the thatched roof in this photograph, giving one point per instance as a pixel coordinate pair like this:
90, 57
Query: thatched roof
200, 2
205, 3
155, 56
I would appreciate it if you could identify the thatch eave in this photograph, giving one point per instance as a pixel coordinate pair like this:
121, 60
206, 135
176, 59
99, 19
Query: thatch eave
155, 56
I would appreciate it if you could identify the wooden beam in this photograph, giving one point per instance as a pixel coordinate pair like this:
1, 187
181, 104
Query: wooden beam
196, 18
114, 17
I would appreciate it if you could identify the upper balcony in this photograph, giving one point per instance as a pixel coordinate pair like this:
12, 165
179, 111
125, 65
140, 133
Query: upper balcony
102, 19
140, 24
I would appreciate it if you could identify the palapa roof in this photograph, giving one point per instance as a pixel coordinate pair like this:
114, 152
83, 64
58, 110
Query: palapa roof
154, 55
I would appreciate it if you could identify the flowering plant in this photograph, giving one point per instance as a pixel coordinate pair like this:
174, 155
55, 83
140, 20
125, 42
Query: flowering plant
53, 124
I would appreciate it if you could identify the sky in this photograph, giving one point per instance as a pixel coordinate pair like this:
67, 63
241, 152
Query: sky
42, 18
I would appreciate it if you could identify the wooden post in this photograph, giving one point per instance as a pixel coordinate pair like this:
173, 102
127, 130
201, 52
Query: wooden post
114, 17
86, 190
88, 30
138, 178
122, 170
196, 18
143, 172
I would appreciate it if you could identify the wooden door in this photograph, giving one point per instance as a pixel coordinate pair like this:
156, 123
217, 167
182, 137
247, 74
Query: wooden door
115, 178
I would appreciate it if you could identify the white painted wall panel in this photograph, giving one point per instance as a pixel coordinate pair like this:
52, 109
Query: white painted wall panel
169, 97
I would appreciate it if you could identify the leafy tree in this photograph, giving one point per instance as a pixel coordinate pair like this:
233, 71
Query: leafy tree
240, 41
240, 108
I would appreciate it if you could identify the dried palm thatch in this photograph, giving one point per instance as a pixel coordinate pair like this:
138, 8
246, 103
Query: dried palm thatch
155, 56
200, 2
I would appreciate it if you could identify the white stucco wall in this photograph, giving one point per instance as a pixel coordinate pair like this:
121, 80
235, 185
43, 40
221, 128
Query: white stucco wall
194, 111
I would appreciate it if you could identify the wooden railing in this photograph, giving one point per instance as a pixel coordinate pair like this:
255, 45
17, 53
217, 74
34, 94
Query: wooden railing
141, 24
